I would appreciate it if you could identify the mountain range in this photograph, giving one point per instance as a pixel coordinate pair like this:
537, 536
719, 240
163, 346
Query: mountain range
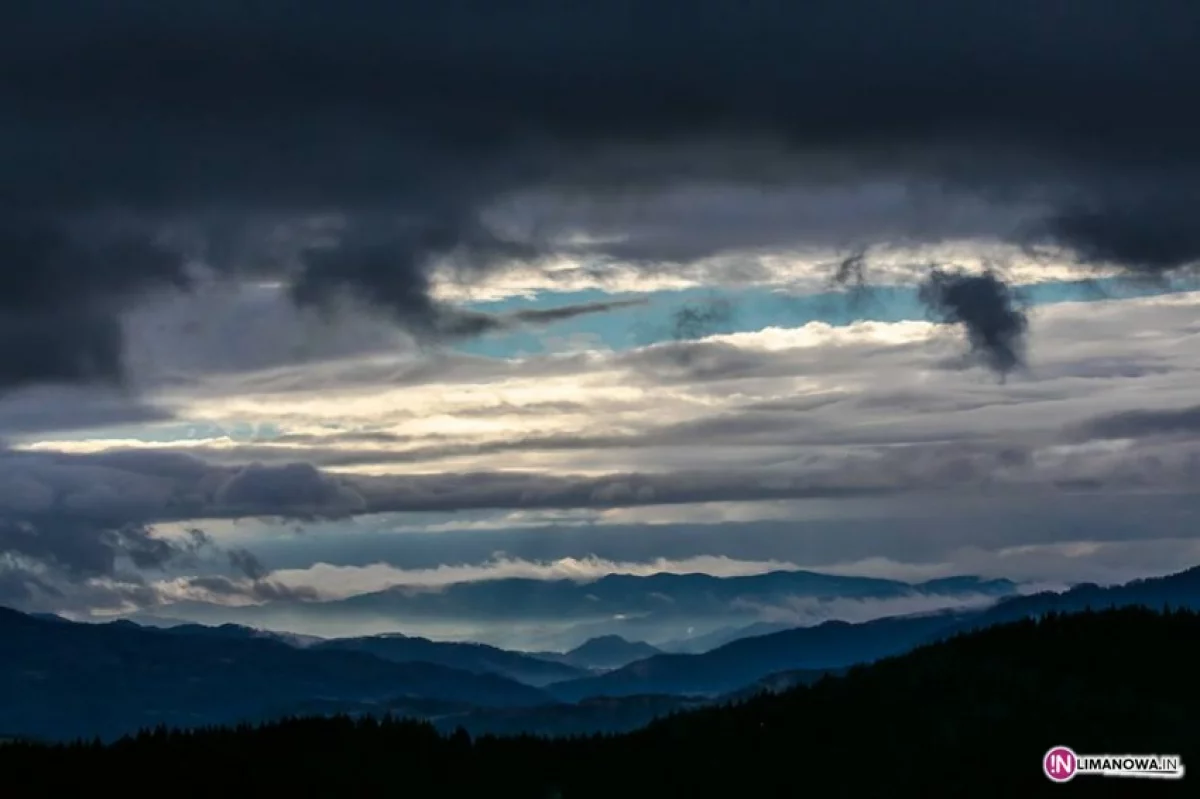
653, 608
664, 595
63, 679
837, 644
471, 657
722, 635
973, 715
830, 645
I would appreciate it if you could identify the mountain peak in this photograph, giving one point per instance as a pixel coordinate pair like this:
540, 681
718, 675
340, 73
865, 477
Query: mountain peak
610, 650
601, 641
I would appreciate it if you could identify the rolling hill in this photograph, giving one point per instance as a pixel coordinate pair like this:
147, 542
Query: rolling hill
62, 679
832, 645
972, 715
697, 644
602, 652
471, 657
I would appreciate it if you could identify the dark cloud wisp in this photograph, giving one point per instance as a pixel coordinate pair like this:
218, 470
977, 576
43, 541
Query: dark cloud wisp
698, 320
987, 309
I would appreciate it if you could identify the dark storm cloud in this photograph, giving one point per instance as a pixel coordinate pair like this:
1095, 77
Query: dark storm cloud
83, 550
988, 310
246, 564
302, 488
60, 347
468, 78
260, 589
61, 288
1084, 112
59, 543
63, 408
1147, 229
252, 581
392, 275
18, 586
103, 504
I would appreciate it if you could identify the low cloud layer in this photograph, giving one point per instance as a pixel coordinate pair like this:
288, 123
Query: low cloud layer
802, 612
341, 581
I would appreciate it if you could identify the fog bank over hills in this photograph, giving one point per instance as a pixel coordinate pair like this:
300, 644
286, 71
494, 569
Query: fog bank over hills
665, 609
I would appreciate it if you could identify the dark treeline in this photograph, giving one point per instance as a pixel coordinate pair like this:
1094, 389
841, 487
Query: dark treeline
968, 717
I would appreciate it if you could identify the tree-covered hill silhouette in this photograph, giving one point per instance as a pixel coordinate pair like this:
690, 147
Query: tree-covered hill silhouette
969, 716
62, 679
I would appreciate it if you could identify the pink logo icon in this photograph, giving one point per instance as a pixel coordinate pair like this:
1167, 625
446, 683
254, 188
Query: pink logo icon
1059, 764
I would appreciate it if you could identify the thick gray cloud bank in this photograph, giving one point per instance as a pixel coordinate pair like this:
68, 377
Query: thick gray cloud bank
418, 122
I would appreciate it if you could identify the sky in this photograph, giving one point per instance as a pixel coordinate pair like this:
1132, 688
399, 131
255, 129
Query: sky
298, 303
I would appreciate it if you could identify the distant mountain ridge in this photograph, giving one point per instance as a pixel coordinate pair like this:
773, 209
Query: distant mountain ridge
984, 707
837, 645
602, 652
239, 631
63, 679
653, 608
721, 636
663, 593
831, 645
471, 657
399, 648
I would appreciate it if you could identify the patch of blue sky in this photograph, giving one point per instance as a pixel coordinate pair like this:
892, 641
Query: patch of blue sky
625, 328
752, 309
